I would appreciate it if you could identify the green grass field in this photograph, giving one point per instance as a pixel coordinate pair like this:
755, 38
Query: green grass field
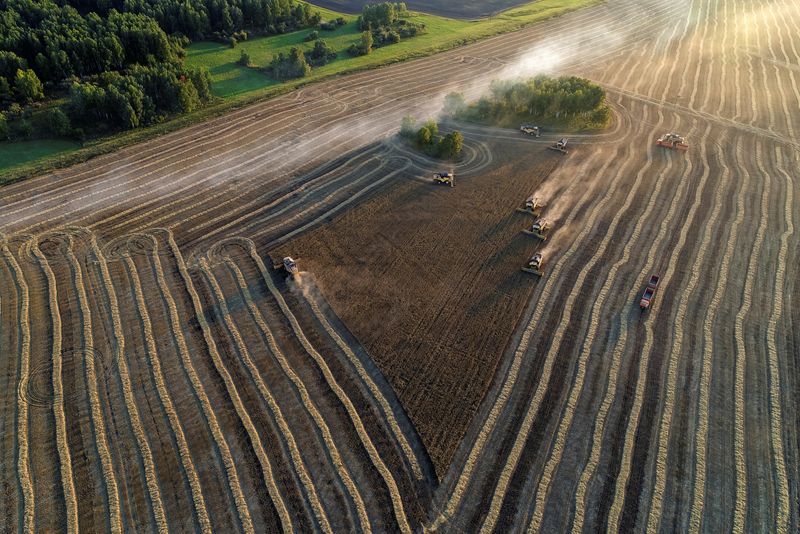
19, 153
231, 80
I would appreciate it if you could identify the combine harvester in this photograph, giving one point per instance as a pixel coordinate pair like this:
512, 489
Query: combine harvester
532, 206
445, 178
538, 229
534, 265
673, 141
649, 292
530, 129
289, 265
559, 146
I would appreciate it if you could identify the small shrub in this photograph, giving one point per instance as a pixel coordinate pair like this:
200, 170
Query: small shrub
313, 36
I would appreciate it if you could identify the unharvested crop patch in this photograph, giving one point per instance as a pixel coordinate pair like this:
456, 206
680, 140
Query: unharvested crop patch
428, 279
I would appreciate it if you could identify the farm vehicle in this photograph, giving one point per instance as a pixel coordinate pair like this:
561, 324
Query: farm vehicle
534, 265
559, 146
673, 141
649, 292
530, 129
539, 229
445, 178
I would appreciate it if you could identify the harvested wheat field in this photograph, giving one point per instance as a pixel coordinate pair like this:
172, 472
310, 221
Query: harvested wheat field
160, 375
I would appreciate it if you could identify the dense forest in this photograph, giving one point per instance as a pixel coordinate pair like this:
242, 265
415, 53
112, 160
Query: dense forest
101, 65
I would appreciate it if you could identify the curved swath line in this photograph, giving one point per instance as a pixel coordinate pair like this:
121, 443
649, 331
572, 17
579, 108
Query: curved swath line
296, 458
127, 388
100, 436
776, 415
626, 461
340, 394
503, 396
67, 480
147, 185
557, 449
386, 408
157, 164
23, 461
698, 497
292, 194
565, 424
238, 141
677, 352
488, 45
762, 85
338, 207
183, 201
233, 394
154, 360
784, 101
740, 509
309, 207
497, 43
542, 385
308, 403
199, 390
549, 362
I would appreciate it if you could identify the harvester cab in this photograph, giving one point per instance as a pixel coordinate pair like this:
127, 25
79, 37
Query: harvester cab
673, 141
530, 129
532, 206
445, 178
290, 265
538, 229
559, 146
534, 265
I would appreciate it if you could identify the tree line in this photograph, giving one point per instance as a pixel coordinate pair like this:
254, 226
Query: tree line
427, 139
567, 99
117, 63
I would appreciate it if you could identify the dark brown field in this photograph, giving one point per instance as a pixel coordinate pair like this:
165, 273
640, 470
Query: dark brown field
160, 375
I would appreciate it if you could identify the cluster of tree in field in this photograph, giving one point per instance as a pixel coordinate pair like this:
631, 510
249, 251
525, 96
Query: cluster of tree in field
388, 23
296, 63
566, 99
117, 64
427, 138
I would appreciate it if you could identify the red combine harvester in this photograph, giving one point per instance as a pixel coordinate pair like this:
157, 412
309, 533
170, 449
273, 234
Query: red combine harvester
673, 141
649, 292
